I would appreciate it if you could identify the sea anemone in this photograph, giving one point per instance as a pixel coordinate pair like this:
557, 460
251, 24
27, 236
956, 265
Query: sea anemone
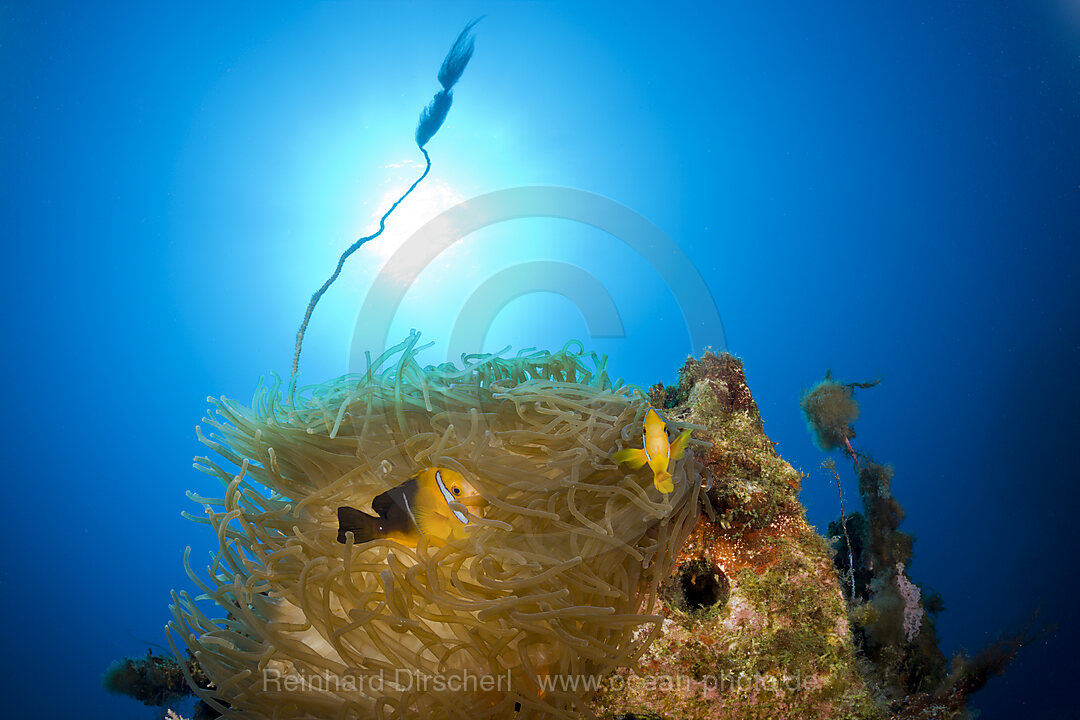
554, 585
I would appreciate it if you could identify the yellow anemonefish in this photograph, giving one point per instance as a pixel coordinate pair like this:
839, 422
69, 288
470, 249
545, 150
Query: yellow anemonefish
656, 451
420, 505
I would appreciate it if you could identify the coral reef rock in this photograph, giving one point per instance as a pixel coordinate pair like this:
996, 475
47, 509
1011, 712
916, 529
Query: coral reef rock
755, 623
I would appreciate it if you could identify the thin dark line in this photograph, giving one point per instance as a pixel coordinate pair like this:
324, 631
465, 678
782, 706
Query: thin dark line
341, 263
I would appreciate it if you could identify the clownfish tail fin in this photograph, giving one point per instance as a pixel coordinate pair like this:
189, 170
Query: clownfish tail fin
363, 526
663, 482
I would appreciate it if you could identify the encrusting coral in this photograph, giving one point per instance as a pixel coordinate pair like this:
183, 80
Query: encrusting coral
558, 578
755, 624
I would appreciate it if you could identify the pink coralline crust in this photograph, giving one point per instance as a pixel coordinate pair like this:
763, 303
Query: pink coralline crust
842, 628
742, 616
911, 594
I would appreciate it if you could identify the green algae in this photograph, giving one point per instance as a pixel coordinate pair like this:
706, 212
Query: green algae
776, 641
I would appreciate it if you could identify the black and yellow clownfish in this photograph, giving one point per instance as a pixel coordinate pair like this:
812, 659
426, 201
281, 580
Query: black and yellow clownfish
419, 506
656, 450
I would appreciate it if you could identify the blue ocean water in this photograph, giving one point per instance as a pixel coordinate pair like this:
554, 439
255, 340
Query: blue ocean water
888, 191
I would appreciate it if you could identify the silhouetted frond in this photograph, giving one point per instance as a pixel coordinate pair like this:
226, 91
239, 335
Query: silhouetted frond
431, 117
458, 57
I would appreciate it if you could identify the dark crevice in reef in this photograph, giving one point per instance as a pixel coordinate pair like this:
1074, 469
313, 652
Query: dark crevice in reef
705, 587
697, 587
